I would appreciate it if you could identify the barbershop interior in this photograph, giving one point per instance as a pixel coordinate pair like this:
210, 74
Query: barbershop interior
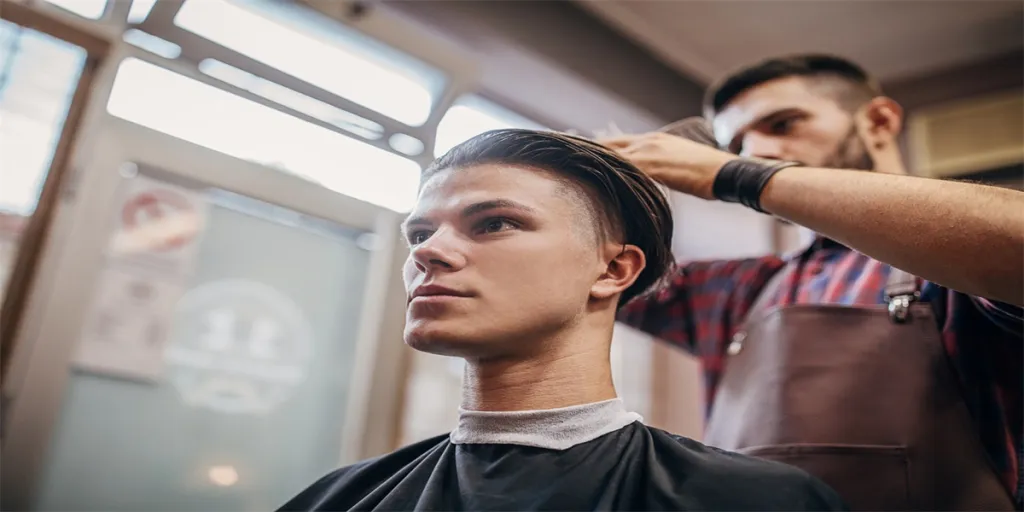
202, 207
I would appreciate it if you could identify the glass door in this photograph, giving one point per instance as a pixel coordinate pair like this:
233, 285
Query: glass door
220, 344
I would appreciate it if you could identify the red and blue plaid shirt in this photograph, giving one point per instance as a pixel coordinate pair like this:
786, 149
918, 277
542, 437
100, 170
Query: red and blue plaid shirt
704, 303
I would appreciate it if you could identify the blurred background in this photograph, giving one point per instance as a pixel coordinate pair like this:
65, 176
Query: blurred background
199, 201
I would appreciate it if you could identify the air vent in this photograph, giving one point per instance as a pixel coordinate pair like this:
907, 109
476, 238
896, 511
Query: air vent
969, 136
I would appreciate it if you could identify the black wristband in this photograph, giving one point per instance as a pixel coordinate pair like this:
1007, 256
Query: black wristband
742, 180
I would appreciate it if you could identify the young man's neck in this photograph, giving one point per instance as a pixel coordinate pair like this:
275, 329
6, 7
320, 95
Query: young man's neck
574, 374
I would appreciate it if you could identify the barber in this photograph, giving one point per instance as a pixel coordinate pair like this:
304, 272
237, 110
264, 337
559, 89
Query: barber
886, 357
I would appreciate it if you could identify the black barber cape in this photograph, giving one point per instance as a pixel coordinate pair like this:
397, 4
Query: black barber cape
590, 457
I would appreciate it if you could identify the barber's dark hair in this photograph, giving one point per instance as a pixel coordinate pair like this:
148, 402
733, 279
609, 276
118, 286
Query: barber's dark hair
630, 201
856, 86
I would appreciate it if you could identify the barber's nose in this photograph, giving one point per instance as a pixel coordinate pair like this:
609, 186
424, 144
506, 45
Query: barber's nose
440, 252
762, 146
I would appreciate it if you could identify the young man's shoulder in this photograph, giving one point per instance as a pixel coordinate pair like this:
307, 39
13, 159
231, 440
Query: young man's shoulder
335, 490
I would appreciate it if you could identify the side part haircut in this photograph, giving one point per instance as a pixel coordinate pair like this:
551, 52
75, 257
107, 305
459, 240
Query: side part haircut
842, 80
628, 202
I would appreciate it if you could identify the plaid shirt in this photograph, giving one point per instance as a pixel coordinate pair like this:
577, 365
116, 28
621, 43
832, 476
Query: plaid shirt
704, 304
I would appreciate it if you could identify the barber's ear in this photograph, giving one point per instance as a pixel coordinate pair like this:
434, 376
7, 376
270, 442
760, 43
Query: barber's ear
880, 120
879, 123
624, 266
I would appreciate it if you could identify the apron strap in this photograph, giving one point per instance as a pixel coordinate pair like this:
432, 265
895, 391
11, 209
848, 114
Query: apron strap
762, 302
901, 291
776, 284
900, 283
769, 291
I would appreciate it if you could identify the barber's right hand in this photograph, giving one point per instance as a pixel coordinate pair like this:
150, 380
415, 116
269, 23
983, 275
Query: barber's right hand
682, 165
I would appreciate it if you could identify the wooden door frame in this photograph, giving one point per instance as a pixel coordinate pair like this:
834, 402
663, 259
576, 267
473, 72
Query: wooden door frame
37, 229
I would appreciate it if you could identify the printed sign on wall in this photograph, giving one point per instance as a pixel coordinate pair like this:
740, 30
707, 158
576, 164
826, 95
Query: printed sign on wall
148, 262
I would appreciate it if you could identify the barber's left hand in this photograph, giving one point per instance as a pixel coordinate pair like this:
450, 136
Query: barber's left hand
679, 163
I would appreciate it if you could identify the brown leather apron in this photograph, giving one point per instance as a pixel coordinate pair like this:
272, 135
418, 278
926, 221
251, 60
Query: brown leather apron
864, 398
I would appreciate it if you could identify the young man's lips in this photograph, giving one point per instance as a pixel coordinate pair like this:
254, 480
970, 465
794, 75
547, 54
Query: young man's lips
436, 298
433, 292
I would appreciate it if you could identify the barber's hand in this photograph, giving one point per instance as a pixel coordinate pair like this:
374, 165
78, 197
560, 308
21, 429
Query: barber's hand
680, 164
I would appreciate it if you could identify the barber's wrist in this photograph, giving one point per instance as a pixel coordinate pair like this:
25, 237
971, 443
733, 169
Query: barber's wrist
743, 180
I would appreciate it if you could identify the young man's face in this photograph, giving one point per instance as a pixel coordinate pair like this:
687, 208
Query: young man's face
500, 257
785, 119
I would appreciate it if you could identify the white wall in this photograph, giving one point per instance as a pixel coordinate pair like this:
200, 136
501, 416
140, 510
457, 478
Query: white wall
433, 393
713, 230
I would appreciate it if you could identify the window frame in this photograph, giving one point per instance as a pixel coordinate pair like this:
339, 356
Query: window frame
394, 32
37, 229
48, 257
192, 73
105, 48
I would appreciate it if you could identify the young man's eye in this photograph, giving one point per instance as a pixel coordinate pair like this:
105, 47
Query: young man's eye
496, 225
418, 237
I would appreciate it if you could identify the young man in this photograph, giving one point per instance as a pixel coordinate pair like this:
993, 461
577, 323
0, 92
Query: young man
900, 392
523, 246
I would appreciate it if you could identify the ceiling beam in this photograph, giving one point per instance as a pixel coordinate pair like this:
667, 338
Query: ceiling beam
569, 36
995, 74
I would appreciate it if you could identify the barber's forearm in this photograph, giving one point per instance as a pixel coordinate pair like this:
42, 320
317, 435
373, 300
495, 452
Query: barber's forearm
963, 236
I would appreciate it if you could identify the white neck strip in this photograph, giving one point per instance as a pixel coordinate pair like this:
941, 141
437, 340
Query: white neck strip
554, 429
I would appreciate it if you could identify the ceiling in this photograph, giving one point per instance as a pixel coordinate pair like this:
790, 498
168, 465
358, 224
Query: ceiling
893, 39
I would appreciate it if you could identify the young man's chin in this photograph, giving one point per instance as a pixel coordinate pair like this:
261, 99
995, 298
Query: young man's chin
437, 339
454, 341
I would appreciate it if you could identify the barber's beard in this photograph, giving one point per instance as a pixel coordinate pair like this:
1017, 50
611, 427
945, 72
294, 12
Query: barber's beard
850, 154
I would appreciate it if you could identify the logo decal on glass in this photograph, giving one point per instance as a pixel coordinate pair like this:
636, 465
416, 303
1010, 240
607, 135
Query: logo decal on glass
238, 347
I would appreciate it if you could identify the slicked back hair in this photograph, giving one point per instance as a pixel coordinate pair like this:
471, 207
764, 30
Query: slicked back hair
847, 83
627, 200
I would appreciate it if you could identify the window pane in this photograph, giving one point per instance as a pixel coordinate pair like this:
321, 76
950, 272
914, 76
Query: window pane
258, 343
92, 9
471, 116
38, 78
139, 10
151, 43
291, 99
332, 59
162, 100
37, 82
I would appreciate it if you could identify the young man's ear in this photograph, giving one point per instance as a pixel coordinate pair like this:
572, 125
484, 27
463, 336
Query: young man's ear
625, 262
879, 123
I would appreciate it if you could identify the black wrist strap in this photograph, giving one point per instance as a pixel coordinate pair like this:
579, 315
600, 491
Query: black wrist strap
742, 180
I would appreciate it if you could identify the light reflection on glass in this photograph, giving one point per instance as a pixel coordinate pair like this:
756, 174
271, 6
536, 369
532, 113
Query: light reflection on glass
223, 476
377, 83
471, 116
140, 10
182, 107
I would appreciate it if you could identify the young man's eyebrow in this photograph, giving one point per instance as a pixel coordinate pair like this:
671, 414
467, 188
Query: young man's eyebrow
474, 209
495, 204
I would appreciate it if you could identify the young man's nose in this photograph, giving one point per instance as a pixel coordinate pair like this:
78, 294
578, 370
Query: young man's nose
441, 251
